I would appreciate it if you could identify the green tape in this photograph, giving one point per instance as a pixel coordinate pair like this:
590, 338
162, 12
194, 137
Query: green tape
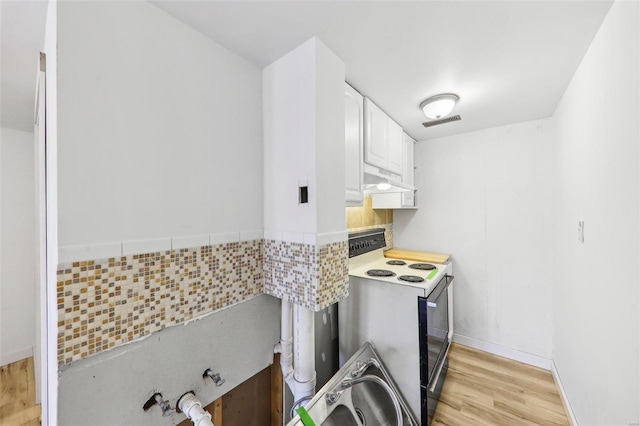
432, 273
305, 418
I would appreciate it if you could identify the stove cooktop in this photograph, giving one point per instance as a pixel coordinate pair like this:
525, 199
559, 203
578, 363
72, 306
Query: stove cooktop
367, 261
375, 266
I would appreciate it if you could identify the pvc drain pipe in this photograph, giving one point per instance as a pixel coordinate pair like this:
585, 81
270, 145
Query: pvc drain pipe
297, 352
192, 408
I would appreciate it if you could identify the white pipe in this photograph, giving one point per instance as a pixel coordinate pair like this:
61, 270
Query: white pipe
297, 355
192, 408
304, 354
286, 344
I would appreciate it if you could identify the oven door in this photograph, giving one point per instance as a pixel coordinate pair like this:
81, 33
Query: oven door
434, 328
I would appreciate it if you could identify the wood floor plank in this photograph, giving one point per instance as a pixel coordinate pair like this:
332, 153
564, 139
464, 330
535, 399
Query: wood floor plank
449, 416
28, 416
496, 372
489, 416
17, 394
483, 388
531, 414
533, 400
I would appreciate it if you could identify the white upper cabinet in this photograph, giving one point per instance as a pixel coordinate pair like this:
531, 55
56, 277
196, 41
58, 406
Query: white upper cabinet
395, 148
376, 135
408, 145
383, 139
354, 137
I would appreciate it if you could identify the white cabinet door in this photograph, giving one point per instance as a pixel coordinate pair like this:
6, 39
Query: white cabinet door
394, 147
407, 159
376, 144
354, 137
383, 142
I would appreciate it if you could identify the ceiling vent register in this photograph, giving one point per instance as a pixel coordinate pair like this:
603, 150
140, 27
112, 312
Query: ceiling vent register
441, 121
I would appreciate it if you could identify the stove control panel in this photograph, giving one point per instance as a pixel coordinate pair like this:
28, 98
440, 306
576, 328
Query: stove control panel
366, 241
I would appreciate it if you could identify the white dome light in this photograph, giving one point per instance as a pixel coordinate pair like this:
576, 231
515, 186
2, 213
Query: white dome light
439, 106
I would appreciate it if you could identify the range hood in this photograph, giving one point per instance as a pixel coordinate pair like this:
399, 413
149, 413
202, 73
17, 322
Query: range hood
387, 190
377, 180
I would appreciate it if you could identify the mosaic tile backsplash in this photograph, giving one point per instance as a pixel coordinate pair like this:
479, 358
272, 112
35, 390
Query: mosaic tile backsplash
105, 303
307, 275
108, 302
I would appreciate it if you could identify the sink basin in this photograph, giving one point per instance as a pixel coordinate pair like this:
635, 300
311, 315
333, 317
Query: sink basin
341, 416
362, 403
374, 403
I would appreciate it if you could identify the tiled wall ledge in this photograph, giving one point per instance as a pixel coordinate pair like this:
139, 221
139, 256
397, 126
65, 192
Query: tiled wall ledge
79, 253
108, 301
303, 238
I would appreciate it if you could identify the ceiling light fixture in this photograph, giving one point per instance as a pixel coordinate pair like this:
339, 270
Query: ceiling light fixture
439, 106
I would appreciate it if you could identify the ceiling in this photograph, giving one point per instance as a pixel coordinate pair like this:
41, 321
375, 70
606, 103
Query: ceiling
509, 61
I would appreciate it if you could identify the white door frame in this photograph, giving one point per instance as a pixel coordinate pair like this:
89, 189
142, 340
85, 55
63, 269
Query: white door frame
39, 130
46, 354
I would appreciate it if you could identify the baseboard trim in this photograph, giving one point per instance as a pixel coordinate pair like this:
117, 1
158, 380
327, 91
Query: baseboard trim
15, 356
563, 395
527, 358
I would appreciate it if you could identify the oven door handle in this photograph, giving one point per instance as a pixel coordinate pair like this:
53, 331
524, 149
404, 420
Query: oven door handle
434, 381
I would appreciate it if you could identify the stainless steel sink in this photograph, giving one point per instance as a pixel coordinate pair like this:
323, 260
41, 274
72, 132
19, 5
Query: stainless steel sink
352, 397
340, 416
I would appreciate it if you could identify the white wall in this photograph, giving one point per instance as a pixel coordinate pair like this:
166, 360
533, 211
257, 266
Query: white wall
485, 197
160, 135
17, 249
160, 128
304, 140
289, 98
596, 180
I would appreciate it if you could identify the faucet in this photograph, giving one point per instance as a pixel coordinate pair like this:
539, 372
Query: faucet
332, 396
217, 380
361, 367
165, 406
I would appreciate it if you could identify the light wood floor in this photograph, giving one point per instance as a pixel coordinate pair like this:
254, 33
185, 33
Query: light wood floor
485, 389
18, 395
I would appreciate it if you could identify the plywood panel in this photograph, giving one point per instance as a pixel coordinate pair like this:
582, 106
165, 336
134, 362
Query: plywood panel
249, 404
276, 392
